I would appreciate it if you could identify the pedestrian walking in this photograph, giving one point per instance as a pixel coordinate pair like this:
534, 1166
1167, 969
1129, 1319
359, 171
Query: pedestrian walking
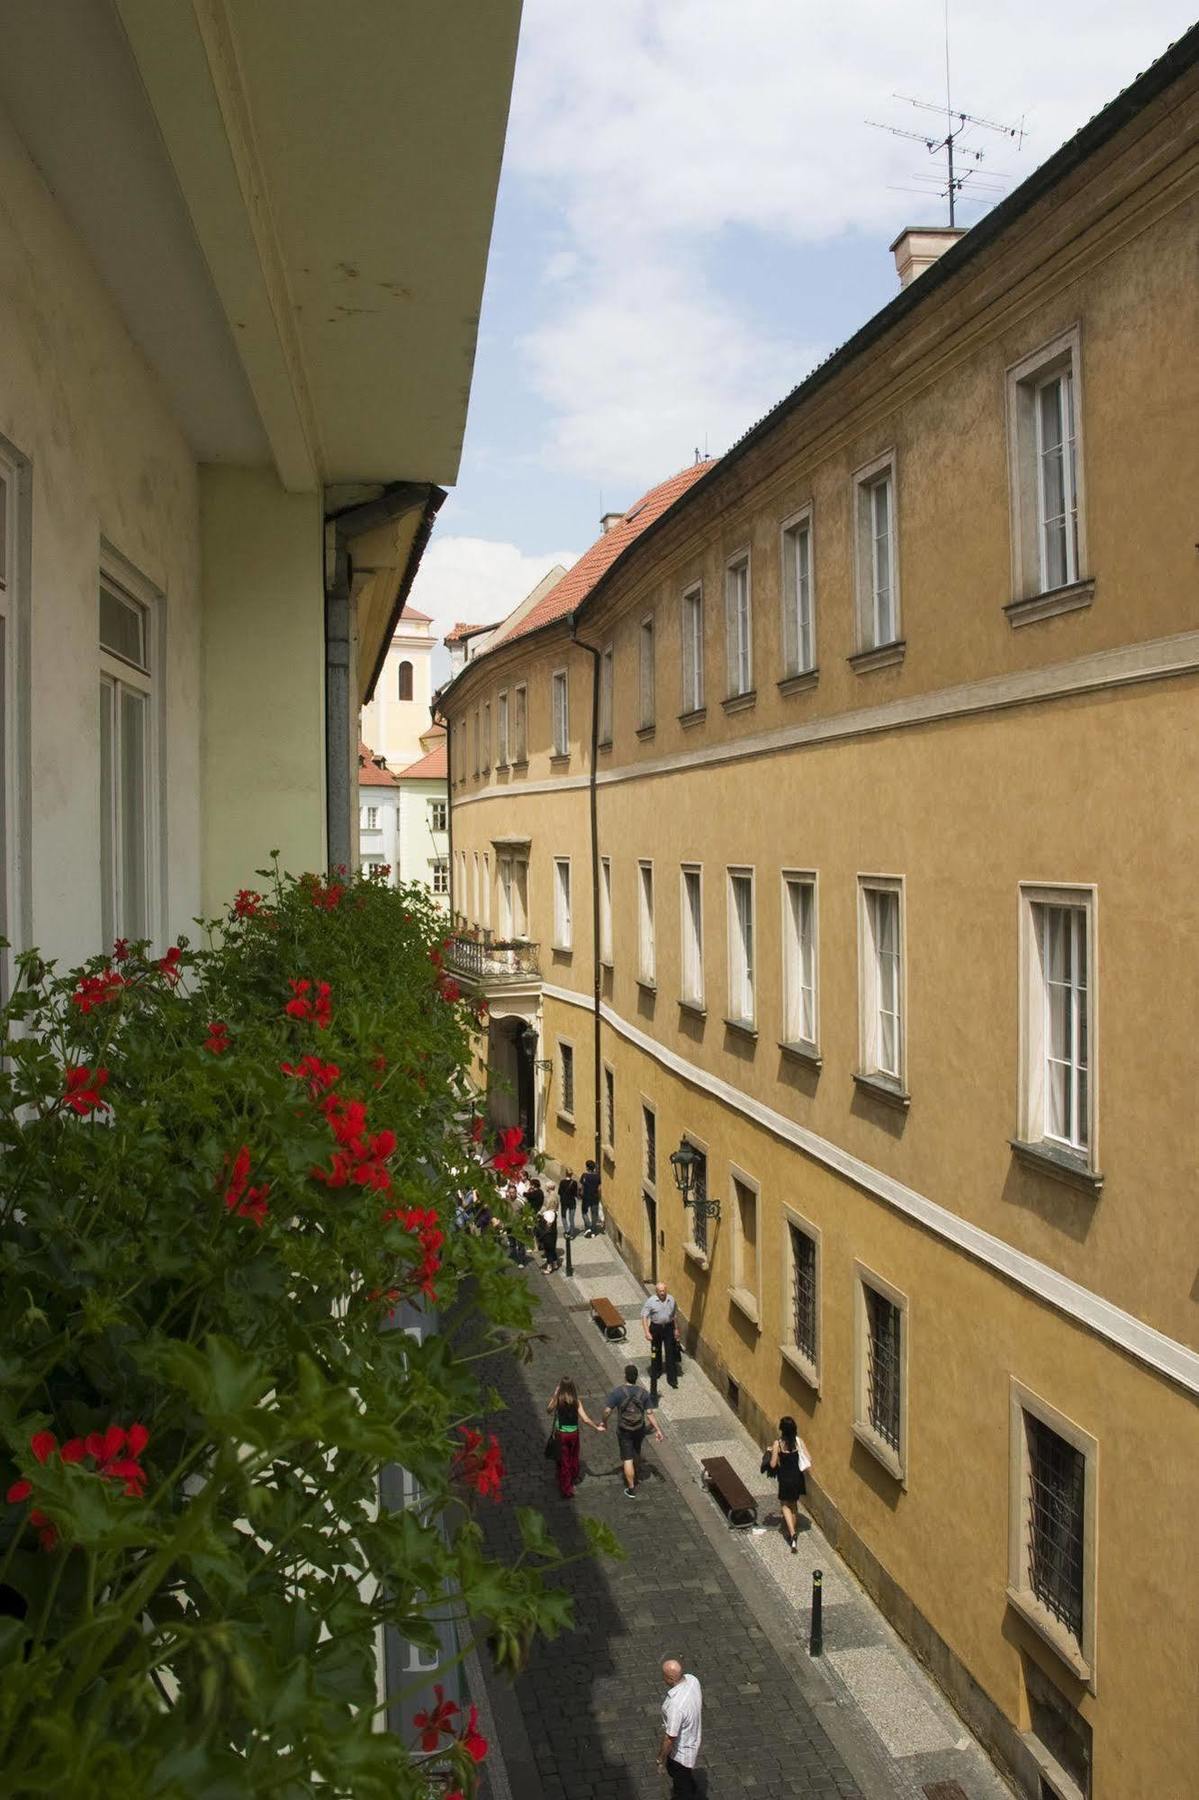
546, 1232
589, 1194
682, 1722
634, 1409
788, 1460
568, 1200
567, 1410
660, 1323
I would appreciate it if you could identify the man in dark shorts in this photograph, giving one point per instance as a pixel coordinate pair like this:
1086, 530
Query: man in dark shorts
634, 1411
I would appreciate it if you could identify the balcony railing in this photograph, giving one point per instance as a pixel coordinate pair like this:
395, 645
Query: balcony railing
484, 959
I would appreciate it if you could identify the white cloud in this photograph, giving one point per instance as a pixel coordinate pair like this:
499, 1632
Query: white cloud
649, 128
476, 580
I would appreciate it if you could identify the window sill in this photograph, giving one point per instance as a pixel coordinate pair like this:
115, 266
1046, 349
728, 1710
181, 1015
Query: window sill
696, 716
1051, 1161
647, 983
803, 1053
745, 1303
1053, 1632
562, 949
609, 1158
502, 771
806, 1370
560, 759
645, 733
881, 1451
881, 1087
740, 702
743, 1027
604, 743
520, 766
696, 1008
694, 1254
802, 683
567, 1121
1074, 597
881, 656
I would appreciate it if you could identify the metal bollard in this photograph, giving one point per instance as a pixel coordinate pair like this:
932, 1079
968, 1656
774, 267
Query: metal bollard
816, 1641
569, 1265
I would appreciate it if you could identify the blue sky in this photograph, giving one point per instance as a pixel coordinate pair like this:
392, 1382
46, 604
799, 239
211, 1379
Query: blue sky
693, 212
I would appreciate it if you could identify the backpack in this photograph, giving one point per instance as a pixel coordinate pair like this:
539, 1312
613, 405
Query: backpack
631, 1415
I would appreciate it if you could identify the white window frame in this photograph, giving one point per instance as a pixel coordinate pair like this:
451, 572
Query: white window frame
560, 711
434, 824
801, 963
647, 949
440, 865
372, 818
477, 911
503, 865
739, 626
646, 648
1077, 1654
798, 597
693, 1249
875, 631
566, 1058
691, 636
607, 690
520, 722
14, 675
501, 729
893, 1459
742, 958
563, 922
1032, 1109
806, 1365
1062, 355
605, 911
475, 735
870, 993
691, 938
608, 1111
116, 572
520, 899
486, 758
745, 1298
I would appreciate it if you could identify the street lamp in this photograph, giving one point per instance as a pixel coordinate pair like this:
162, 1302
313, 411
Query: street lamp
685, 1163
528, 1039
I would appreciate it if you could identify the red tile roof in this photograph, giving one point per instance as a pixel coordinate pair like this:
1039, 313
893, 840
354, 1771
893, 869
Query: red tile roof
578, 582
433, 767
410, 612
464, 631
373, 770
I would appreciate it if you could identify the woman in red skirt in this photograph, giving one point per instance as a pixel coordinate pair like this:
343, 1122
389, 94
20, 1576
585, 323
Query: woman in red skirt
568, 1410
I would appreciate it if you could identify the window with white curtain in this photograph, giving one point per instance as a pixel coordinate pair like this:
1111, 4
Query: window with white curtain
605, 900
878, 593
1057, 1102
799, 635
504, 870
881, 979
561, 712
1046, 478
486, 918
646, 947
739, 627
646, 673
693, 649
127, 761
520, 897
562, 917
799, 960
692, 930
607, 679
741, 947
1057, 480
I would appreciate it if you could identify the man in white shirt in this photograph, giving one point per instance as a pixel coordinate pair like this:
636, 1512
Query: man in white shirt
681, 1716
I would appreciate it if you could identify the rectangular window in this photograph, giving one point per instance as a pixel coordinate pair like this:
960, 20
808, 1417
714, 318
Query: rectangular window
741, 947
606, 685
801, 1299
440, 869
880, 976
799, 635
609, 1109
693, 650
486, 749
126, 761
1045, 473
646, 946
566, 1067
437, 815
475, 902
504, 869
1051, 1553
486, 920
1057, 1099
649, 1137
697, 1222
799, 961
746, 1271
520, 726
646, 673
561, 710
475, 740
372, 818
605, 900
562, 921
11, 625
520, 898
739, 627
692, 924
880, 1345
501, 731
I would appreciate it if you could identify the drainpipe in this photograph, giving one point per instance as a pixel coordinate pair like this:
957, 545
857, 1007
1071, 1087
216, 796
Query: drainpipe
339, 678
594, 654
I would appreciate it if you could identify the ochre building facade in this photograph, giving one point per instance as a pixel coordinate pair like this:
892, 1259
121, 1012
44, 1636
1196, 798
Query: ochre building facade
886, 724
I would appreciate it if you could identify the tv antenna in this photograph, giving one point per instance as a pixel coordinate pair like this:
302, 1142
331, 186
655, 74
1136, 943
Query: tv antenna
955, 152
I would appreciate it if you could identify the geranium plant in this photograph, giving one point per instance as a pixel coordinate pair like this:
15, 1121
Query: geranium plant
223, 1171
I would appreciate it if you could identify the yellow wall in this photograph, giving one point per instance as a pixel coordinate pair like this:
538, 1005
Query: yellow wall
263, 683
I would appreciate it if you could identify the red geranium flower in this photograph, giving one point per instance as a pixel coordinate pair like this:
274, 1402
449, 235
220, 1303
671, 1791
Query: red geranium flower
472, 1739
247, 903
510, 1159
448, 988
319, 1009
218, 1038
481, 1468
82, 1093
120, 950
248, 1202
476, 1129
169, 966
434, 1724
319, 1075
95, 990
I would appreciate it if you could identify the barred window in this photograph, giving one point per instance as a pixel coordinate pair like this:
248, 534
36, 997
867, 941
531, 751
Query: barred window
1055, 1522
699, 1222
803, 1292
883, 1366
650, 1125
609, 1108
566, 1051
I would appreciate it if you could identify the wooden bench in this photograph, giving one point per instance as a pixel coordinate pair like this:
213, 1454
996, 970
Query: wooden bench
730, 1492
608, 1319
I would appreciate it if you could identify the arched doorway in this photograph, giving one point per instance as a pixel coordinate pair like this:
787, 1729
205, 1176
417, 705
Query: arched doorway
511, 1090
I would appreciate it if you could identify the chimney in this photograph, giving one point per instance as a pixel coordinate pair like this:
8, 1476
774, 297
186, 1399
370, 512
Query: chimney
918, 246
608, 520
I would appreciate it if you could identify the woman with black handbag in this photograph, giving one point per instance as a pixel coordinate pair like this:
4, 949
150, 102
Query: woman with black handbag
788, 1458
563, 1441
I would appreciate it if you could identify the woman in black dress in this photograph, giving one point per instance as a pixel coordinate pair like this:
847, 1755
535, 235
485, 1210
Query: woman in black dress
785, 1463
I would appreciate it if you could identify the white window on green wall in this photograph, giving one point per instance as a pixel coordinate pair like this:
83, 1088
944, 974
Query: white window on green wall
128, 746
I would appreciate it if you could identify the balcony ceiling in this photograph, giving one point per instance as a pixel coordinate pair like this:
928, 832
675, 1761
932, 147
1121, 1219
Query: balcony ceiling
290, 201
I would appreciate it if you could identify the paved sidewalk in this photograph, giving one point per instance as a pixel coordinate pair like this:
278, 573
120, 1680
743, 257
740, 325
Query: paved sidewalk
892, 1725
